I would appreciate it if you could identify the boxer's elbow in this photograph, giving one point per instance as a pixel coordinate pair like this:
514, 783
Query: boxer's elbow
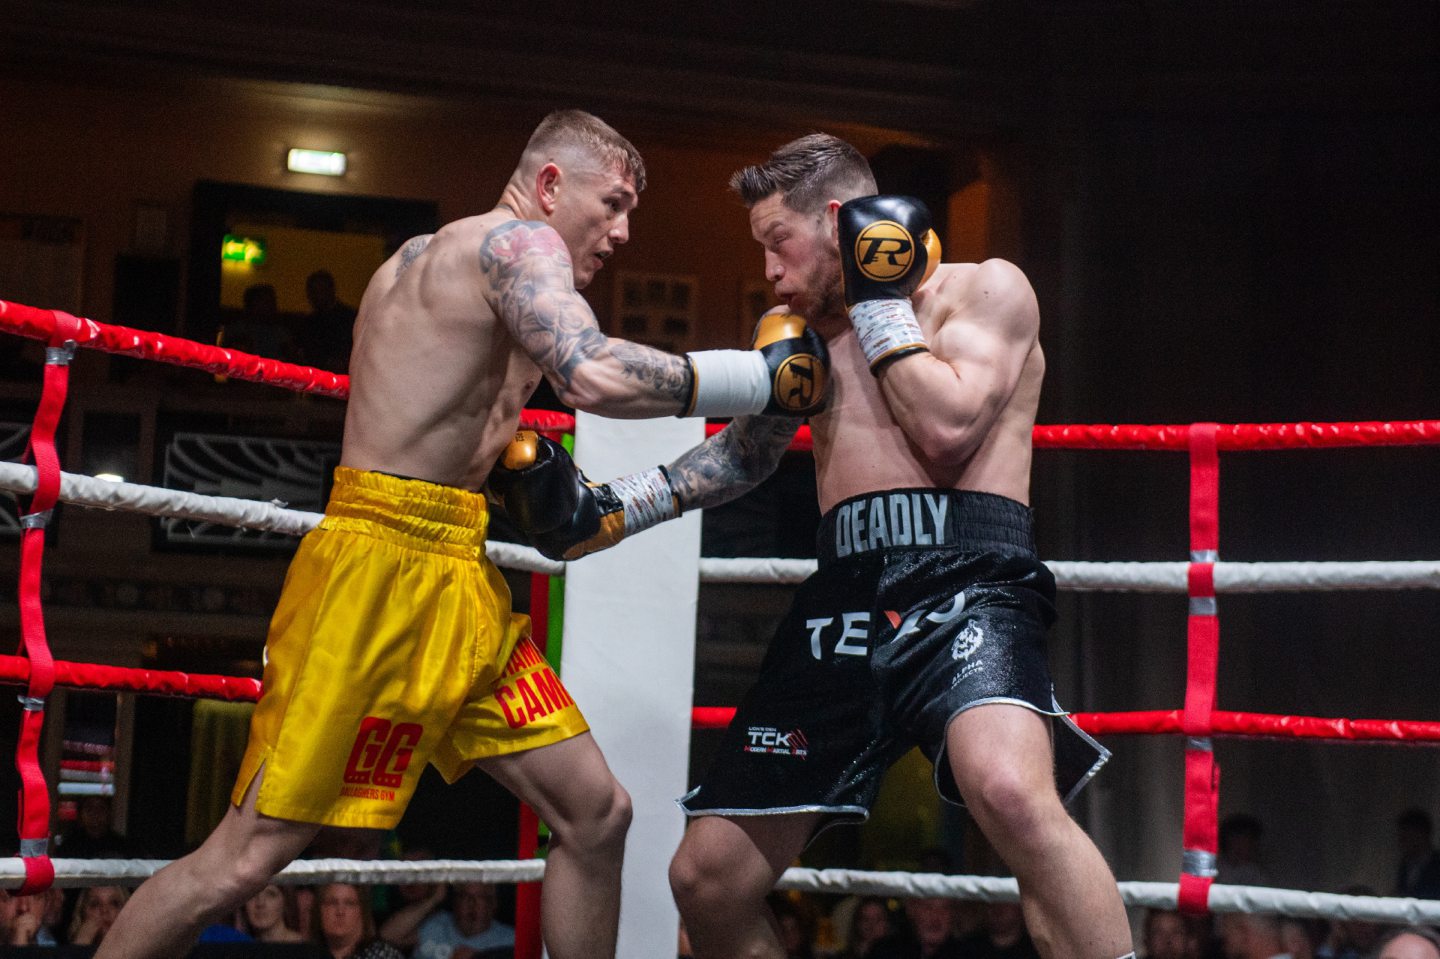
594, 386
947, 441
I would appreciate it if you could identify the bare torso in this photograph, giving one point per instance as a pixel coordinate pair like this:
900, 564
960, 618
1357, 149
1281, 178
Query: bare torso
437, 382
860, 447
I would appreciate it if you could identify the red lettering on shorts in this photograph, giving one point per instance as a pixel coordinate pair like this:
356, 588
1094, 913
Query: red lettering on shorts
381, 753
550, 689
523, 657
501, 695
533, 709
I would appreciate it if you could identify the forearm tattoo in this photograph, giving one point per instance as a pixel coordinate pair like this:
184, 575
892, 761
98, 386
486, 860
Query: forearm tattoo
531, 273
732, 461
667, 373
412, 248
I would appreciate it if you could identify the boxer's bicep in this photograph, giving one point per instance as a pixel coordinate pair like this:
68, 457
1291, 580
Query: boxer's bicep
532, 287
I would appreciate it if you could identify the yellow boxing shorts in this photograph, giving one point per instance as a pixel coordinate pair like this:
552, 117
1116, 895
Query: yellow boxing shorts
393, 645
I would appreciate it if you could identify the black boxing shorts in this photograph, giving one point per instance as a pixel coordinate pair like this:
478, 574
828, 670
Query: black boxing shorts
925, 603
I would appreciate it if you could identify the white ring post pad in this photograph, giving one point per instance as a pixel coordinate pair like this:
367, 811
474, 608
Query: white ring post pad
629, 661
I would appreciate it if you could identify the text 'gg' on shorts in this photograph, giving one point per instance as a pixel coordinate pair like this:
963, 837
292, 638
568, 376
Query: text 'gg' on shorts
393, 645
926, 603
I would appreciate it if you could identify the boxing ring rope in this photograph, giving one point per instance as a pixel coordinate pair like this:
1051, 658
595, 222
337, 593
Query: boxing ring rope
76, 873
1202, 579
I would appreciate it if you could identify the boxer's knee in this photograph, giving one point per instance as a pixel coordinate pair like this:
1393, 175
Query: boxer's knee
599, 822
1014, 809
706, 876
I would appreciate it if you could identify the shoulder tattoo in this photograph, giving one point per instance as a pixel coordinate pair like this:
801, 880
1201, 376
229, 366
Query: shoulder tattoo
412, 248
529, 272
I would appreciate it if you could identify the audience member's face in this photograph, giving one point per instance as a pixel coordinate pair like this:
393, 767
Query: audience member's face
474, 907
341, 920
1407, 945
872, 922
932, 919
103, 905
266, 909
1165, 936
9, 905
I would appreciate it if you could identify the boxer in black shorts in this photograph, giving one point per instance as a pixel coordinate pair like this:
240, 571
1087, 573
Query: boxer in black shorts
925, 622
926, 603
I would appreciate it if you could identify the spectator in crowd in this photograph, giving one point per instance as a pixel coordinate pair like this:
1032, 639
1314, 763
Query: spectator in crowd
1302, 937
470, 922
870, 923
797, 926
95, 913
330, 328
1418, 874
1412, 942
929, 933
1352, 938
345, 926
9, 907
1163, 935
271, 915
93, 835
1240, 860
31, 920
1002, 935
1250, 936
418, 901
260, 329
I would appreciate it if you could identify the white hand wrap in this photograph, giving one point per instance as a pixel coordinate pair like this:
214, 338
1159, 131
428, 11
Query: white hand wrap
728, 383
887, 330
647, 497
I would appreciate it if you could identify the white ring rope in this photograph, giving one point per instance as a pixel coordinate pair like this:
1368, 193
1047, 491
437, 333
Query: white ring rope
224, 510
73, 873
1069, 575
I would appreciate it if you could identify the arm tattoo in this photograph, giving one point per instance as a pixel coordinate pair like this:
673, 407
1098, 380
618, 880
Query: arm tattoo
667, 373
731, 462
530, 272
412, 248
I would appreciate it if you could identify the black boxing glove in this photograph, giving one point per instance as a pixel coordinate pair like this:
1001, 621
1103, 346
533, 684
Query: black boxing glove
887, 251
784, 375
563, 515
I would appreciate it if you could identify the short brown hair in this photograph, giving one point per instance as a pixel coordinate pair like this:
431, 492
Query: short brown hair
588, 133
807, 173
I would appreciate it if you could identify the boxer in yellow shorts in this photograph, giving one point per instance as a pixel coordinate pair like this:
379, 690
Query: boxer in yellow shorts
393, 645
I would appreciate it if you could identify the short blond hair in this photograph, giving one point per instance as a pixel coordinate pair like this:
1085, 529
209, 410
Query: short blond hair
585, 133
